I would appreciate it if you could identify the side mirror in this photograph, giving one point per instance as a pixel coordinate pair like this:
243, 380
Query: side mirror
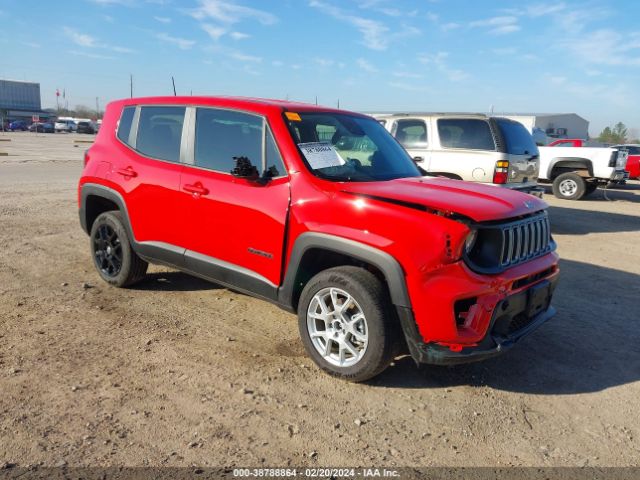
245, 169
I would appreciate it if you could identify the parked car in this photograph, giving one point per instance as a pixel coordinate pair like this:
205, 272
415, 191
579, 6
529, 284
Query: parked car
633, 162
575, 142
65, 126
18, 125
473, 147
323, 213
42, 127
86, 127
577, 171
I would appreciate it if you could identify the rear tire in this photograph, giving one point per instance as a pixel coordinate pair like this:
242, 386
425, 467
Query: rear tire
569, 186
347, 323
112, 253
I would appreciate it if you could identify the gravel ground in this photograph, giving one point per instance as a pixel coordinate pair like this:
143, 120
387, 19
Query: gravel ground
178, 371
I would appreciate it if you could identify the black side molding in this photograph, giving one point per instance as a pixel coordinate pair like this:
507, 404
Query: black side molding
388, 265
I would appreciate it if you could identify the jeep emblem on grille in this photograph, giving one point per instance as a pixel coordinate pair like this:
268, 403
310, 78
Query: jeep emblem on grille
528, 204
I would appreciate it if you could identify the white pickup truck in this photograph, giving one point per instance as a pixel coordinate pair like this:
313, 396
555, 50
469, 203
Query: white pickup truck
577, 171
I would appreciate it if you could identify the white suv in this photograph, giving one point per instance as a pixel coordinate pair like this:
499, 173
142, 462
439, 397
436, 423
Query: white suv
472, 147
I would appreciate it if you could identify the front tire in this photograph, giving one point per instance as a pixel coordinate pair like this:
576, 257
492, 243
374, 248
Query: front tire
347, 323
569, 186
112, 254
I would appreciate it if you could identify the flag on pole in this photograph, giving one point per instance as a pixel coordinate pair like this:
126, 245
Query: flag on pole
57, 92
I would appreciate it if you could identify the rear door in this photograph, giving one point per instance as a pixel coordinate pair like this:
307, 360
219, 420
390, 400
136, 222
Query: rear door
236, 226
413, 135
147, 167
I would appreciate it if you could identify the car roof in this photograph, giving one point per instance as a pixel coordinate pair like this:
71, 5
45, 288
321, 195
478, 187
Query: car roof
430, 114
254, 104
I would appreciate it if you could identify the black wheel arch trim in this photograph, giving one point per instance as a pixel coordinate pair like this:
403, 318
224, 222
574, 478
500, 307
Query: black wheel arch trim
570, 162
389, 266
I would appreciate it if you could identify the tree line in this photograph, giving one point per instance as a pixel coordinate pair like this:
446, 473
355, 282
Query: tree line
616, 134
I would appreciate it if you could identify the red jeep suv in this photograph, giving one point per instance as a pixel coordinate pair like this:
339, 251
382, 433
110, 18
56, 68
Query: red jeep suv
323, 213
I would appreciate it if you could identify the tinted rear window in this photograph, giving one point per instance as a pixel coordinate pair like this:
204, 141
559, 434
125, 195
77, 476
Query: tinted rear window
517, 138
465, 133
124, 125
160, 132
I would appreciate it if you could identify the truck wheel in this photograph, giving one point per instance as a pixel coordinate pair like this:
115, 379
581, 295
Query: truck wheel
347, 323
569, 186
112, 254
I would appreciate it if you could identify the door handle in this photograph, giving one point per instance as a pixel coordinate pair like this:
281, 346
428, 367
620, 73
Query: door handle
127, 172
196, 189
418, 159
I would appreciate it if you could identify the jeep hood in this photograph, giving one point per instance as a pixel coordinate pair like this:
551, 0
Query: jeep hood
479, 202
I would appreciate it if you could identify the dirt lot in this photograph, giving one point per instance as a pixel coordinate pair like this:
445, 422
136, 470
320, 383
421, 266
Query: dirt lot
179, 372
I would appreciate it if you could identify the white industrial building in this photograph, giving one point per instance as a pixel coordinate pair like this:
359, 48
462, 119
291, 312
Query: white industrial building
555, 125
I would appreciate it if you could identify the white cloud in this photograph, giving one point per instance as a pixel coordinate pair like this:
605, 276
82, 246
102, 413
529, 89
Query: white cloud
243, 57
366, 66
239, 35
498, 25
605, 47
277, 63
181, 43
90, 55
162, 19
375, 35
87, 41
213, 31
438, 61
229, 12
409, 87
541, 9
449, 26
323, 62
81, 39
407, 75
505, 51
32, 44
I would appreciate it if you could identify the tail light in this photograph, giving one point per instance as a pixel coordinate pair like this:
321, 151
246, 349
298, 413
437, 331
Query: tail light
501, 174
613, 159
86, 157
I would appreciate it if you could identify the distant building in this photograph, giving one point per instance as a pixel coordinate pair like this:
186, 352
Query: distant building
20, 100
555, 125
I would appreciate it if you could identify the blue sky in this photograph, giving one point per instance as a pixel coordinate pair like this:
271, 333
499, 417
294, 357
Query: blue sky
447, 55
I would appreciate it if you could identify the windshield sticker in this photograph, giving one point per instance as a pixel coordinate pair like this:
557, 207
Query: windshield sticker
321, 155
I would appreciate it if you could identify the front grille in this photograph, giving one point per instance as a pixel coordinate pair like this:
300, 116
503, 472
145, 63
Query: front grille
503, 245
524, 240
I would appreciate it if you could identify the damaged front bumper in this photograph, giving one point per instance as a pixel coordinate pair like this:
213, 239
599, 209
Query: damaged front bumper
514, 318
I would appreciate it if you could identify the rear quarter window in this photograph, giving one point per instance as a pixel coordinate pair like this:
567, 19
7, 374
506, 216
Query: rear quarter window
124, 124
517, 138
469, 133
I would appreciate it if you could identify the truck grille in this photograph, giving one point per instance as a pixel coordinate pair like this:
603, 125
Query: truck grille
525, 240
503, 245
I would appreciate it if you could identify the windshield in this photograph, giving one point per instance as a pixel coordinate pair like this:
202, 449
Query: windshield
518, 139
349, 148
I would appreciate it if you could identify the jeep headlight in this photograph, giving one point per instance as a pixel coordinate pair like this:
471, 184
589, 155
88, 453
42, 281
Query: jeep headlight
470, 241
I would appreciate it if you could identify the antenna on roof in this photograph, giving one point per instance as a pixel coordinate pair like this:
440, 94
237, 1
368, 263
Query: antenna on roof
316, 99
131, 84
174, 86
338, 103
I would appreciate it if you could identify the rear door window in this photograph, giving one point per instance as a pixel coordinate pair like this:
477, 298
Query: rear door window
124, 125
160, 132
411, 133
469, 133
